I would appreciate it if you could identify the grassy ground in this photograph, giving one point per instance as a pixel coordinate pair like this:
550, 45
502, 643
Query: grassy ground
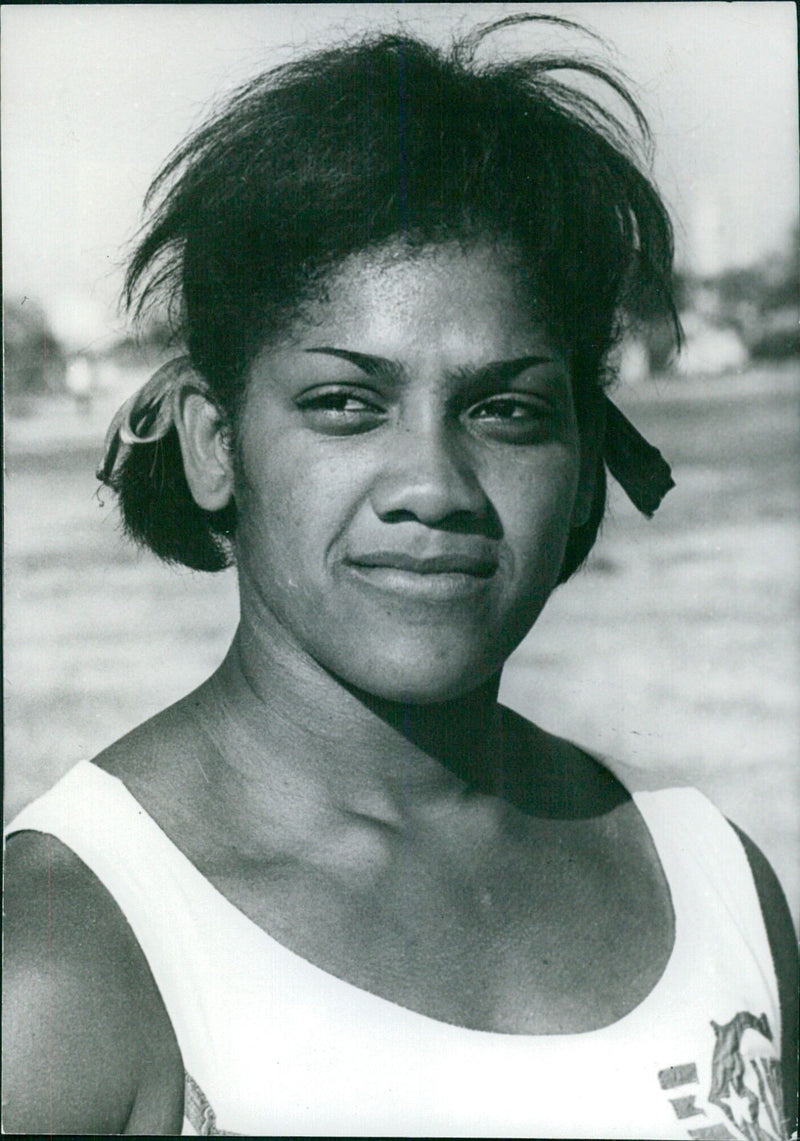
675, 651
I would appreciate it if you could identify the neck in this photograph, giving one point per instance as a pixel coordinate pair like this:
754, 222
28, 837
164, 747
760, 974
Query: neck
277, 717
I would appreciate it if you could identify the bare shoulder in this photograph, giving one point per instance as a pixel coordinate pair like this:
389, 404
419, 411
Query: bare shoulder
156, 759
151, 746
88, 1046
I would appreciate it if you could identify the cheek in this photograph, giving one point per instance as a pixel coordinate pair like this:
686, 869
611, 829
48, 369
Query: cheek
534, 499
292, 504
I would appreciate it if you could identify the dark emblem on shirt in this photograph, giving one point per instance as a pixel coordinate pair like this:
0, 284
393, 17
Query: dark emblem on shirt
744, 1101
746, 1079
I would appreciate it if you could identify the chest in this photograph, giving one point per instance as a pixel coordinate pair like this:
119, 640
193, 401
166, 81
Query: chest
553, 929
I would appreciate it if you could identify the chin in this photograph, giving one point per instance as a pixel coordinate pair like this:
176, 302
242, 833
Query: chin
425, 682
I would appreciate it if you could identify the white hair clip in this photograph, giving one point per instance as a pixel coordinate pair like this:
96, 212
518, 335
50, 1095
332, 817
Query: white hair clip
149, 414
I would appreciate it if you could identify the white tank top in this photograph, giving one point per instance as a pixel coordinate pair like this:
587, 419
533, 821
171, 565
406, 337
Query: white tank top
272, 1044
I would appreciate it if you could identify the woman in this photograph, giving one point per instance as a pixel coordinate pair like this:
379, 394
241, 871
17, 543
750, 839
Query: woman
338, 889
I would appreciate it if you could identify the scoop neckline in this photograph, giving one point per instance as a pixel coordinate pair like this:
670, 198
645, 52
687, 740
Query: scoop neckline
255, 931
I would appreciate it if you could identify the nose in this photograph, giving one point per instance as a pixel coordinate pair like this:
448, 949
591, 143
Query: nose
427, 475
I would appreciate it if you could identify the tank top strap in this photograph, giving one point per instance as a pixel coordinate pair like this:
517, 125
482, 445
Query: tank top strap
163, 897
710, 878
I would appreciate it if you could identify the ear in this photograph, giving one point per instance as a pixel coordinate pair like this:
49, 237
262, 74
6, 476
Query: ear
206, 449
592, 428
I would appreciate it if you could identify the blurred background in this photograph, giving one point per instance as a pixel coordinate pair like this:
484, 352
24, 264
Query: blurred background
675, 651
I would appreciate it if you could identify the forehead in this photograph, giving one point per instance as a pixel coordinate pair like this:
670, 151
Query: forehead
451, 298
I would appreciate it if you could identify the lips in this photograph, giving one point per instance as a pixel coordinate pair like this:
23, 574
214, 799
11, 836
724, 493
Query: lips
480, 565
447, 576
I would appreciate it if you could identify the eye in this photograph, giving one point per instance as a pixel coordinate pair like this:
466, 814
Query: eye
513, 417
338, 411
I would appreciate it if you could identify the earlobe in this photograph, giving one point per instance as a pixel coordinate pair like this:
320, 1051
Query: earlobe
205, 446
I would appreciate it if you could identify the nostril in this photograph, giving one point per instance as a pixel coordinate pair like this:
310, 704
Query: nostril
399, 515
428, 478
486, 523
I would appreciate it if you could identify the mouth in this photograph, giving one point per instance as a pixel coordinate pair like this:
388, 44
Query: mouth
444, 577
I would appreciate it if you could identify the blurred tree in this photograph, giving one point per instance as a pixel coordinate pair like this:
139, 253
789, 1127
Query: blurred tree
763, 302
782, 275
35, 362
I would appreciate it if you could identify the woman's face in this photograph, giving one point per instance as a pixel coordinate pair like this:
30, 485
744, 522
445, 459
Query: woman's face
409, 461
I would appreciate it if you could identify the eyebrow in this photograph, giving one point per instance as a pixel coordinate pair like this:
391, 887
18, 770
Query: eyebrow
502, 371
371, 365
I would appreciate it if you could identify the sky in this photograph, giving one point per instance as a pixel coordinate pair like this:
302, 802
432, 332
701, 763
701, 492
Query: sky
94, 96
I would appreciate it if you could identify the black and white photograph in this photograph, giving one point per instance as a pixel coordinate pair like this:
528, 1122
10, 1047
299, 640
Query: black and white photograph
401, 570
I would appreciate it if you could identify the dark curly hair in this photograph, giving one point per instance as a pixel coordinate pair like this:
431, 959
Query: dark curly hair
379, 139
